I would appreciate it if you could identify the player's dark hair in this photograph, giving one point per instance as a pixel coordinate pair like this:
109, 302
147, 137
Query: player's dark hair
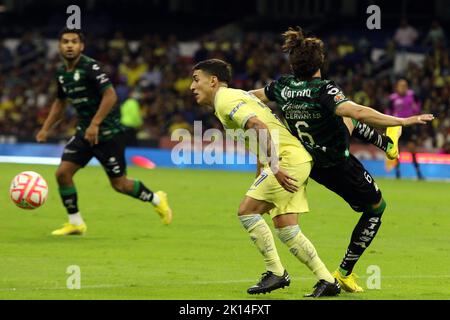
76, 31
215, 67
306, 55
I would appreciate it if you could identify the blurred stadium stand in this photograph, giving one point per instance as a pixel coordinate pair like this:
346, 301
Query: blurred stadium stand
150, 47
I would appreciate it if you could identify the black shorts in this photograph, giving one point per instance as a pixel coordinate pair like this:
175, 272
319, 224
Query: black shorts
111, 154
351, 181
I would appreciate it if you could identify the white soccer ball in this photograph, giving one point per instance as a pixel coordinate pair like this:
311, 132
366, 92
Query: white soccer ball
28, 190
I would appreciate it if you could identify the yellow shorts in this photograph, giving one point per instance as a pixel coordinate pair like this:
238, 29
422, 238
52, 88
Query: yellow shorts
266, 188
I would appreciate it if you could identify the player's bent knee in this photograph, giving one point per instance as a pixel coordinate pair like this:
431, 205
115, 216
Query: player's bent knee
357, 208
243, 209
63, 177
119, 186
252, 206
248, 207
285, 220
378, 209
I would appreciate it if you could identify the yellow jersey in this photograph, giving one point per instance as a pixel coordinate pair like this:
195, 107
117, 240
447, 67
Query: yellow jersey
234, 107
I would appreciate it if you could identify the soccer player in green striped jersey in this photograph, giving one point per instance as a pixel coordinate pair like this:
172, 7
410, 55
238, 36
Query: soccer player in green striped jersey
314, 109
84, 85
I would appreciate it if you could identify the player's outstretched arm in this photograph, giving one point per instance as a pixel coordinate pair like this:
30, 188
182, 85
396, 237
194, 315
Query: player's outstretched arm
260, 94
108, 102
377, 119
56, 114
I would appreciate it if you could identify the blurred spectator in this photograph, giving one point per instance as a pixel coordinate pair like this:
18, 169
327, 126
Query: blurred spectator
173, 50
152, 78
201, 53
26, 49
184, 81
122, 89
406, 35
345, 47
6, 58
131, 117
178, 122
132, 69
365, 95
436, 35
119, 44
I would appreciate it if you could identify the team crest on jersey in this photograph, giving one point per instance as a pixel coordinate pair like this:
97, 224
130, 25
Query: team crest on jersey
76, 76
339, 97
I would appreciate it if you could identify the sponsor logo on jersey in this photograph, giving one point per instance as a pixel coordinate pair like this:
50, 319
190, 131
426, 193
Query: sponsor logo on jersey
77, 89
80, 100
76, 76
293, 106
103, 78
287, 93
339, 97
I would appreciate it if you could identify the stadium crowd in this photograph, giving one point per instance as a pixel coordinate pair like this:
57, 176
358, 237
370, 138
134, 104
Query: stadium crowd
157, 76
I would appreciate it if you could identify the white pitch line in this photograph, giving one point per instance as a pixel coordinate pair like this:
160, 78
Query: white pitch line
121, 286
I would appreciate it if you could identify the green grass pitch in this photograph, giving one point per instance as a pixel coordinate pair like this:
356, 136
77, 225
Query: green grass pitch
205, 254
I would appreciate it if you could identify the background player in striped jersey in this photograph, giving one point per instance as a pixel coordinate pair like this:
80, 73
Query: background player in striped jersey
82, 82
313, 109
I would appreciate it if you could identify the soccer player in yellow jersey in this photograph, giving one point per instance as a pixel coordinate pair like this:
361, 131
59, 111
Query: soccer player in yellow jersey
280, 187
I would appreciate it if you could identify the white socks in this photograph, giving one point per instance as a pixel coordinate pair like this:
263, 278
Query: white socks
155, 199
76, 219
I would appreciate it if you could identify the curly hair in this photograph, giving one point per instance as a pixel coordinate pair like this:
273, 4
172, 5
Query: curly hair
306, 55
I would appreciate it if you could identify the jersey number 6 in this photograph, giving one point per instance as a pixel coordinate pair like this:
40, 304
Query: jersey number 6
304, 136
